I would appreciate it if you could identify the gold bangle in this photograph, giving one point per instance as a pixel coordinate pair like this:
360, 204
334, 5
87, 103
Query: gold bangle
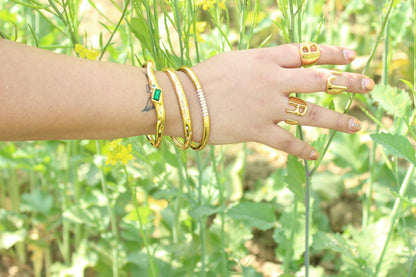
157, 99
183, 105
204, 107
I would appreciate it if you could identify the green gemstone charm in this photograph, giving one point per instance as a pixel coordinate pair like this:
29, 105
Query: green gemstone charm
156, 94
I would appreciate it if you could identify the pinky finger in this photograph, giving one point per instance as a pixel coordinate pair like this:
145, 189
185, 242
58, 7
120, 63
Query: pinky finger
280, 139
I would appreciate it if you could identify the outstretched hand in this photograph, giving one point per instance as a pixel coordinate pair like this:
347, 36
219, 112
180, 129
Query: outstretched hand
248, 95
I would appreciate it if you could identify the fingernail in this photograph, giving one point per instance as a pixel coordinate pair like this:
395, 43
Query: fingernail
354, 125
349, 54
367, 84
314, 155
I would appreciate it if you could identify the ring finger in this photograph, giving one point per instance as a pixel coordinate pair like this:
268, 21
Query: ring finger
309, 114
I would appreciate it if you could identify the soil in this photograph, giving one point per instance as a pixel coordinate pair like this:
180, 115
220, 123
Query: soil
10, 267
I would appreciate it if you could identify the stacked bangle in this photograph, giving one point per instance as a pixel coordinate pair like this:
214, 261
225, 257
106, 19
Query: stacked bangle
183, 105
157, 99
204, 107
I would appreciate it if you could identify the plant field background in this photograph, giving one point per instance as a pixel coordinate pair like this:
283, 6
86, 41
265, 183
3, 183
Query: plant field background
235, 210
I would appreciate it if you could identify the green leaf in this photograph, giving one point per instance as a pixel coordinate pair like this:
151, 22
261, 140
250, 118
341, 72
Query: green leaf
37, 202
334, 242
393, 100
397, 145
320, 143
202, 211
259, 215
139, 28
409, 84
8, 239
295, 177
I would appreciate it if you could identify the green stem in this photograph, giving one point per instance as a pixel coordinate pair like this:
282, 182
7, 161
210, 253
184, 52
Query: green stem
202, 224
153, 267
412, 267
177, 18
307, 217
110, 211
299, 12
129, 39
393, 217
115, 30
14, 190
221, 190
242, 11
192, 12
301, 136
292, 22
289, 251
379, 114
66, 238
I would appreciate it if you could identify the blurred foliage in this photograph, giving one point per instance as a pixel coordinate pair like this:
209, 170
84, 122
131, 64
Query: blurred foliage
63, 212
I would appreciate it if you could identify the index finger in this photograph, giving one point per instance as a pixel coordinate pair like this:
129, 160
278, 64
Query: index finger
288, 55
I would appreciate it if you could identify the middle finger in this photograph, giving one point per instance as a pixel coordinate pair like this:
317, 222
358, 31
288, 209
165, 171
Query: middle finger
309, 80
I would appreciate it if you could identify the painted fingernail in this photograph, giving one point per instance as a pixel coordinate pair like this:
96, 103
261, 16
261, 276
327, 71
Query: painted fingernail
314, 155
367, 84
349, 54
354, 125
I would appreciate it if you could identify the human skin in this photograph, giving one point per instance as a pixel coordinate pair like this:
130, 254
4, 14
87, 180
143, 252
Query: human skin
47, 96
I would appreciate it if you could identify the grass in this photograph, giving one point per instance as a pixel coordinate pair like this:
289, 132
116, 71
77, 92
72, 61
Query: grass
183, 213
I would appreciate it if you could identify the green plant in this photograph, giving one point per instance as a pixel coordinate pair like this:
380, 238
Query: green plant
182, 213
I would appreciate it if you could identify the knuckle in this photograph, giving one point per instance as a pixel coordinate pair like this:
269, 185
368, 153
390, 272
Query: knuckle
306, 151
340, 123
351, 83
313, 115
287, 145
320, 76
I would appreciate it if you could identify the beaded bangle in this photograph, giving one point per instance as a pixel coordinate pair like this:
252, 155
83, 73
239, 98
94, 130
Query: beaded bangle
183, 105
157, 99
204, 107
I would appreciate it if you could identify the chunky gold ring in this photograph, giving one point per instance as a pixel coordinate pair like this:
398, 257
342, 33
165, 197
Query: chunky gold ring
334, 89
309, 53
300, 109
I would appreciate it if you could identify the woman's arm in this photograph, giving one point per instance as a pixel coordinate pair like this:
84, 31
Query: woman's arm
44, 95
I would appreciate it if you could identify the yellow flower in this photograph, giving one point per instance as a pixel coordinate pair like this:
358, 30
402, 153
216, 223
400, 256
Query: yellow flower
86, 53
118, 153
200, 28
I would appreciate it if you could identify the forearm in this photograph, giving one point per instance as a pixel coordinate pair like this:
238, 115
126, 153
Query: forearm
44, 95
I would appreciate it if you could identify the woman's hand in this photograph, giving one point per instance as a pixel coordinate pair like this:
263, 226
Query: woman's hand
248, 95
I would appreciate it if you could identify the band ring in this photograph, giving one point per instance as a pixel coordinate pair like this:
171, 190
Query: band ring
300, 109
334, 89
309, 53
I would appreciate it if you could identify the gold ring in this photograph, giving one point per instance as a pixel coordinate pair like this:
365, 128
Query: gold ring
300, 109
334, 89
309, 53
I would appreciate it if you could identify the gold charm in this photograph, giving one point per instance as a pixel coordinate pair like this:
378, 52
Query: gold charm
300, 106
334, 89
309, 53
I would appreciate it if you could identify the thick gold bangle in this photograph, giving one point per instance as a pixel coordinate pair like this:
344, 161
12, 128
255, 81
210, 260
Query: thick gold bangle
157, 99
183, 105
205, 134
